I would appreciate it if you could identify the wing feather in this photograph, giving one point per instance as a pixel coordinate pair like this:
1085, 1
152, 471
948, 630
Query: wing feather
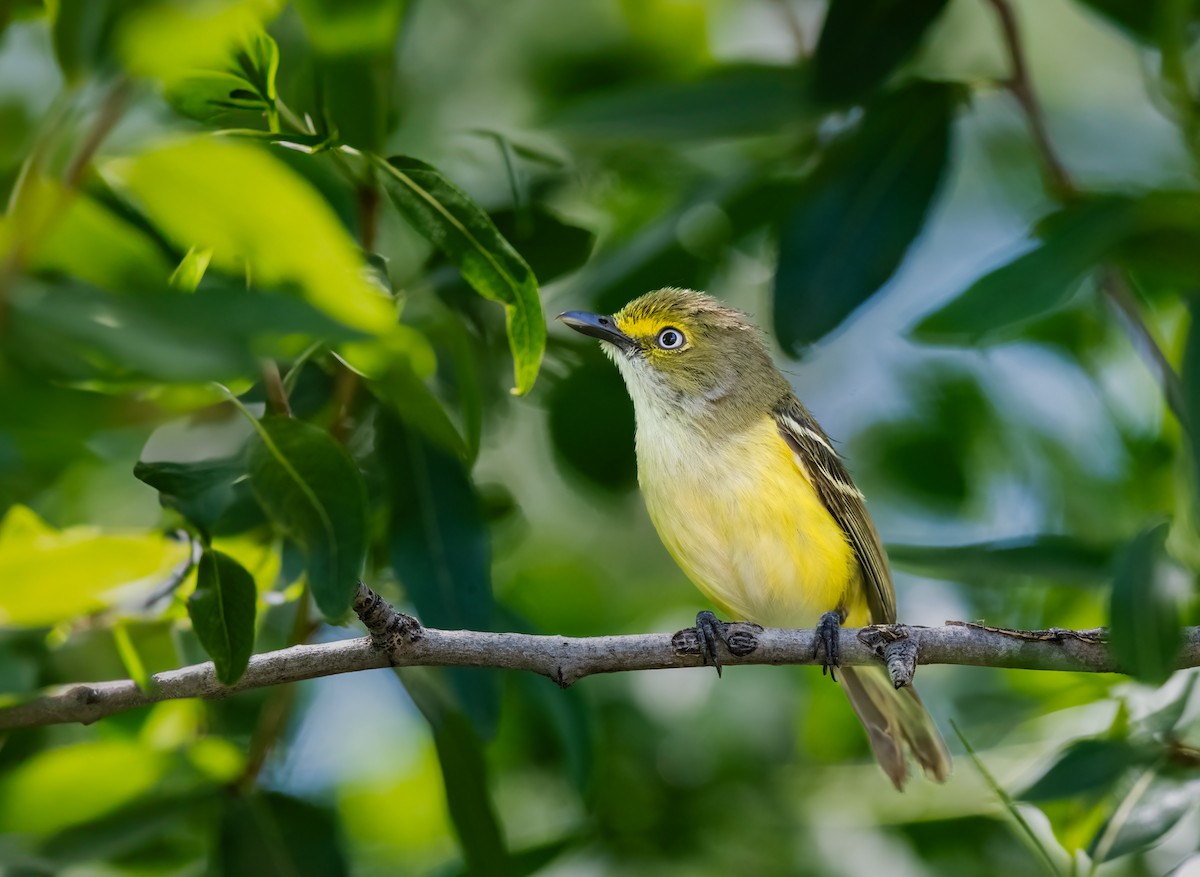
845, 502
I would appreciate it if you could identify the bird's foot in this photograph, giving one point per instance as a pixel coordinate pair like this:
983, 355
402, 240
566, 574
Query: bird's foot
711, 633
828, 636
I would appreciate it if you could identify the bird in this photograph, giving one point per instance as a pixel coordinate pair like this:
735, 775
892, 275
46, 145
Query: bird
753, 502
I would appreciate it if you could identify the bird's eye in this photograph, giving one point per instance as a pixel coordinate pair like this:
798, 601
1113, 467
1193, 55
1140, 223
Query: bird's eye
670, 338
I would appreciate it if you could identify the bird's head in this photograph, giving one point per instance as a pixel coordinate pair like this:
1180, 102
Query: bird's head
684, 353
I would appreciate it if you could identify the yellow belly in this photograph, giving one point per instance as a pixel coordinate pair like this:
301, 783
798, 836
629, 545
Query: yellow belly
746, 525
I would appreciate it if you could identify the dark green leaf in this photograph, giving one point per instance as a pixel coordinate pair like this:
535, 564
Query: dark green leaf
309, 486
1144, 615
268, 833
222, 612
84, 33
860, 210
200, 491
1074, 240
465, 775
347, 27
1190, 378
1089, 766
591, 424
444, 214
440, 550
78, 333
863, 41
1150, 810
1138, 17
353, 96
550, 246
406, 395
1032, 285
1059, 558
726, 102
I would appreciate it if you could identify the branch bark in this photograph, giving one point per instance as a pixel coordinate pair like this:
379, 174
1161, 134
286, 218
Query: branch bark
398, 640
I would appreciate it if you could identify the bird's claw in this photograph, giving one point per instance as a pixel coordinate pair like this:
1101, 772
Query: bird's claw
711, 633
828, 637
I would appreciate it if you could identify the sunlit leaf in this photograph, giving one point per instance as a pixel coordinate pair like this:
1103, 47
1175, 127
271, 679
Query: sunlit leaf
447, 216
190, 271
1058, 558
249, 209
859, 211
48, 575
752, 99
85, 239
244, 80
271, 833
439, 550
222, 612
1090, 766
1144, 617
43, 794
863, 41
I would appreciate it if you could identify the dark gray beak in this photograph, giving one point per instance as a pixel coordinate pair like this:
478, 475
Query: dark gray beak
596, 326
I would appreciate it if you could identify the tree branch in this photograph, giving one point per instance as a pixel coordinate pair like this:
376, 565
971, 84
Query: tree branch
398, 640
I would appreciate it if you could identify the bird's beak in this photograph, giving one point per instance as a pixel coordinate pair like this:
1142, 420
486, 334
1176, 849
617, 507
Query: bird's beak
596, 326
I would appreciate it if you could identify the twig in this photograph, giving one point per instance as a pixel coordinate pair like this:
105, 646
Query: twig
399, 640
1112, 283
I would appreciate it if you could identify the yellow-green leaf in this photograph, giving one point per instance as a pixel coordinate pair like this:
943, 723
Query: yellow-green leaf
48, 576
252, 211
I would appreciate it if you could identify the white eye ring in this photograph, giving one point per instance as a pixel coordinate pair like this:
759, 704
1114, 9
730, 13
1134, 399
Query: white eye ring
670, 338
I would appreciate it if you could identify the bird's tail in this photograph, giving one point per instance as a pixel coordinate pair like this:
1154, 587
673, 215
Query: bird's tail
896, 719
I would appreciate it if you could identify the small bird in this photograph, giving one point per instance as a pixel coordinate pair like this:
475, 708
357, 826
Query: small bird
752, 501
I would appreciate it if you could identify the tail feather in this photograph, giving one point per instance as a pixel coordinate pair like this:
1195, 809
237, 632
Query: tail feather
896, 719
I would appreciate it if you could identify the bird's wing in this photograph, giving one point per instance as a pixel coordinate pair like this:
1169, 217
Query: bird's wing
825, 470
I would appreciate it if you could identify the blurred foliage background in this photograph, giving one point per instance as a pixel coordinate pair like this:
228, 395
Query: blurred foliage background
982, 285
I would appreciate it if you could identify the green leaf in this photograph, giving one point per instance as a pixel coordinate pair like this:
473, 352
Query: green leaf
440, 550
350, 27
465, 775
42, 795
245, 80
406, 395
863, 41
201, 491
733, 101
78, 333
1144, 614
1153, 806
84, 569
310, 487
859, 211
83, 32
270, 833
87, 240
1043, 280
1163, 720
550, 246
251, 210
1190, 378
590, 419
1050, 556
222, 611
1090, 766
1156, 233
190, 271
445, 215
